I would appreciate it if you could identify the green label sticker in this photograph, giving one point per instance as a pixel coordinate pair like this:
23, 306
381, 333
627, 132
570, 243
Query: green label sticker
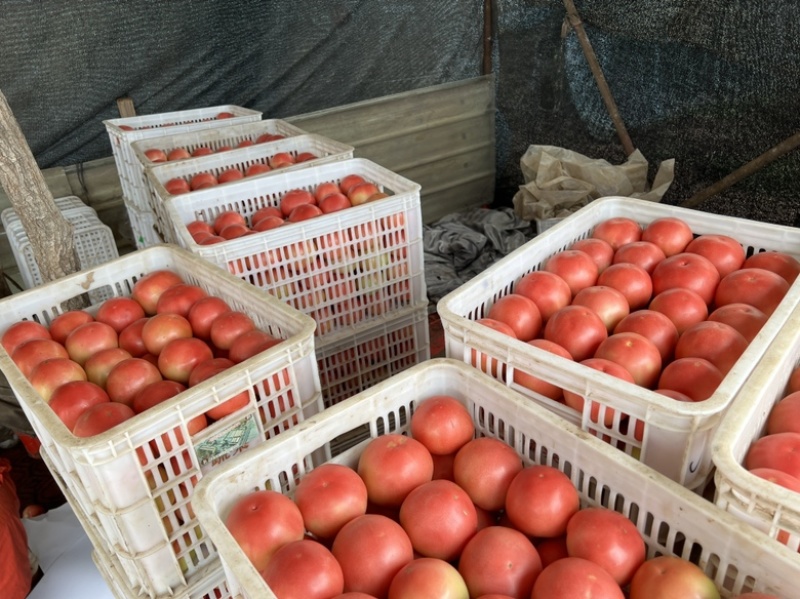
227, 443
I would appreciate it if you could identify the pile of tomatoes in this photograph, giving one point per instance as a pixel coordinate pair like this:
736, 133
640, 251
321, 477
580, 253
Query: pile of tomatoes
98, 369
654, 305
442, 514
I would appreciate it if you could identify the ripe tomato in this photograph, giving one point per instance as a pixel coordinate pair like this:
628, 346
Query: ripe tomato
577, 329
203, 312
609, 303
98, 365
484, 467
179, 356
636, 353
717, 342
723, 251
656, 326
631, 280
391, 465
667, 576
303, 569
778, 262
599, 249
519, 313
72, 399
202, 181
226, 327
755, 286
119, 312
329, 496
498, 559
778, 477
608, 539
541, 500
548, 291
130, 338
251, 343
539, 385
303, 212
160, 329
179, 299
684, 307
50, 374
785, 415
212, 367
155, 393
428, 577
618, 231
263, 521
487, 364
101, 417
21, 331
29, 354
696, 377
371, 550
63, 324
576, 577
149, 288
687, 270
746, 319
127, 377
229, 174
293, 198
641, 253
88, 339
439, 518
576, 401
349, 181
669, 233
442, 424
574, 266
334, 202
780, 451
552, 549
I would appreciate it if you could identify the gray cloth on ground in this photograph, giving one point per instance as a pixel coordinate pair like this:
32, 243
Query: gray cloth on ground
463, 244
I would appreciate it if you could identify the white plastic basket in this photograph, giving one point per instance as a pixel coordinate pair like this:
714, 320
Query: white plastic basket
677, 435
94, 241
156, 125
371, 354
326, 150
672, 519
765, 505
344, 269
141, 512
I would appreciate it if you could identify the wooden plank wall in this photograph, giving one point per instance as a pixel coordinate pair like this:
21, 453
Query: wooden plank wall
442, 137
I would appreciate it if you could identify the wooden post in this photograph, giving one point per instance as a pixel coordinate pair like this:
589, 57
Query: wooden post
50, 234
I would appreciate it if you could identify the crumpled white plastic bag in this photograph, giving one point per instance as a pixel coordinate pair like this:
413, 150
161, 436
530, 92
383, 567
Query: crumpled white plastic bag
559, 181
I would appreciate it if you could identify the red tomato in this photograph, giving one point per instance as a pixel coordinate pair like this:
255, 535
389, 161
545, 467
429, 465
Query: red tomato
155, 155
696, 377
631, 280
539, 385
361, 193
179, 356
428, 577
50, 374
155, 393
303, 569
519, 313
552, 549
160, 329
281, 159
251, 343
548, 291
72, 399
541, 500
746, 319
609, 303
484, 468
608, 539
199, 226
293, 198
179, 299
101, 417
684, 307
263, 521
667, 577
636, 353
443, 466
576, 401
149, 288
127, 377
229, 174
29, 354
600, 250
325, 189
267, 223
350, 181
574, 266
717, 342
487, 364
178, 154
755, 286
63, 324
724, 252
203, 312
303, 212
98, 365
202, 181
778, 262
778, 477
439, 518
391, 465
226, 218
501, 560
119, 312
785, 415
21, 331
226, 327
780, 451
442, 424
264, 212
213, 367
334, 202
641, 253
130, 338
577, 329
201, 151
576, 577
88, 339
618, 231
656, 326
687, 270
371, 550
177, 186
669, 233
329, 496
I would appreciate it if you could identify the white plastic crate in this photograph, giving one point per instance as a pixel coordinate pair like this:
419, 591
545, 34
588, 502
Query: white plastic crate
326, 150
677, 435
343, 269
672, 520
765, 505
94, 242
155, 125
142, 513
371, 354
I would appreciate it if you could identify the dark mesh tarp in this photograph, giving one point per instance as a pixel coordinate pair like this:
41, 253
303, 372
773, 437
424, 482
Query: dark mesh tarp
712, 84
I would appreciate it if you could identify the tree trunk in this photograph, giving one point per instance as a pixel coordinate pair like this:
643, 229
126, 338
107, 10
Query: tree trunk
50, 234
